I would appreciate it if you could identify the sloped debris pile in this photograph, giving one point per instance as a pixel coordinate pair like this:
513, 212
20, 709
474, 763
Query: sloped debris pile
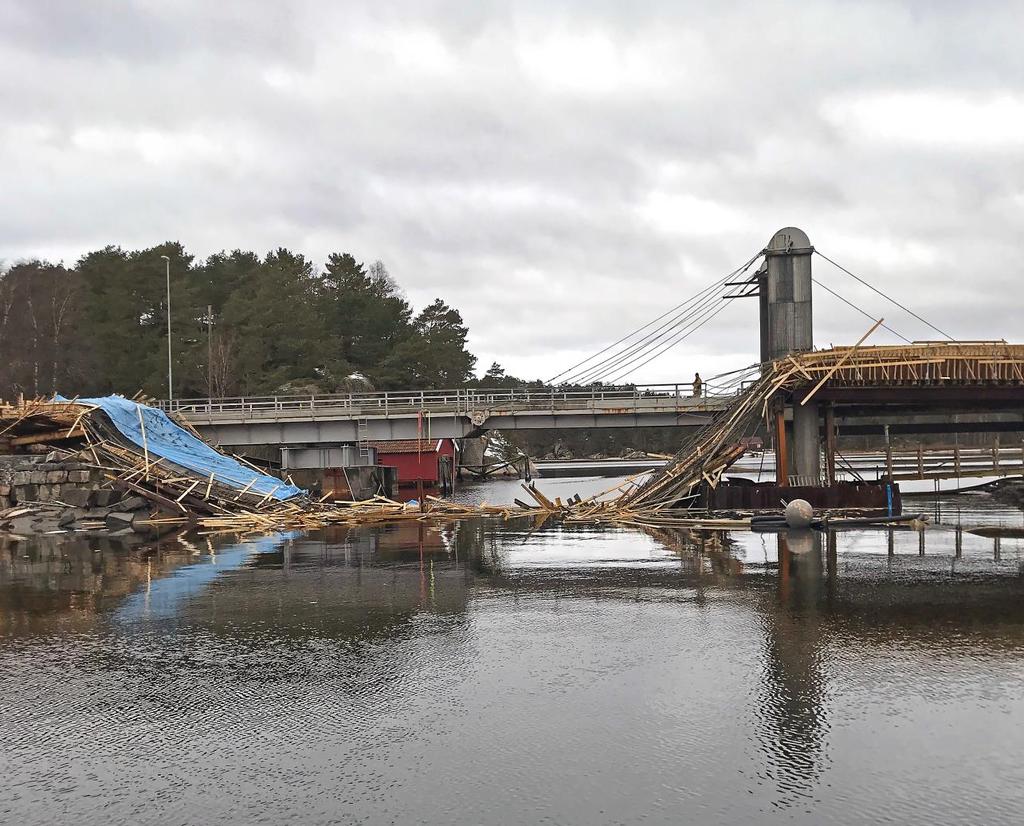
139, 470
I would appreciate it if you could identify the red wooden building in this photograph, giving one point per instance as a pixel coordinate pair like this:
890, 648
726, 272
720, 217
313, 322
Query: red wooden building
428, 460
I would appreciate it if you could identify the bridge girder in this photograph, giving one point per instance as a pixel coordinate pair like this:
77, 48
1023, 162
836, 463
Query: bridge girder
294, 431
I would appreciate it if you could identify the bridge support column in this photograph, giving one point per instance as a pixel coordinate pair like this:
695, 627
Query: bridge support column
806, 444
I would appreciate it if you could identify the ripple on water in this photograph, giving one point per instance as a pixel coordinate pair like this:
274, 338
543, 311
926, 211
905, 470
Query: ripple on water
504, 673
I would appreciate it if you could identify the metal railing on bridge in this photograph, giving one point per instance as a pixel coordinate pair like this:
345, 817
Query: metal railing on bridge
463, 401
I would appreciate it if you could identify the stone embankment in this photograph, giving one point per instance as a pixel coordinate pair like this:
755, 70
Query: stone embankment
43, 493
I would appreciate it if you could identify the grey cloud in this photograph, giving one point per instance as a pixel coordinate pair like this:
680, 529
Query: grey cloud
561, 171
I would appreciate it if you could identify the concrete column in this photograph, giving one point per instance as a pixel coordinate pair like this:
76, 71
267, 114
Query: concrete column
471, 452
787, 327
806, 447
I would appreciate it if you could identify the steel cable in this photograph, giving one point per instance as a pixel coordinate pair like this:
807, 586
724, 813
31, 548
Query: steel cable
860, 310
637, 352
680, 311
683, 313
886, 297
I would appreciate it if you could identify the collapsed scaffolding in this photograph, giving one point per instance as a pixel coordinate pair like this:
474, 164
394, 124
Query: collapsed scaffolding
184, 481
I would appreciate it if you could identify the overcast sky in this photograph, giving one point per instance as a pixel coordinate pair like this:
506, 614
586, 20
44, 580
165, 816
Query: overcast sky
562, 172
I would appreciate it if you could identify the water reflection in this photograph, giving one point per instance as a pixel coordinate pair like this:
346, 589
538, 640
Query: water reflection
575, 673
56, 582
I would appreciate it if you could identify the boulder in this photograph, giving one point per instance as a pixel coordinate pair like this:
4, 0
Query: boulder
21, 524
102, 497
76, 497
118, 520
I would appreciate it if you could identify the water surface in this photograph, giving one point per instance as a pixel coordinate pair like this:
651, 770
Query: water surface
483, 672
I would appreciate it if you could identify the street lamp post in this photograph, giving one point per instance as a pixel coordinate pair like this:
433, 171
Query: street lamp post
170, 383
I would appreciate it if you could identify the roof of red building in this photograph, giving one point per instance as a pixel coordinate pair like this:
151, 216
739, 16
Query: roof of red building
407, 446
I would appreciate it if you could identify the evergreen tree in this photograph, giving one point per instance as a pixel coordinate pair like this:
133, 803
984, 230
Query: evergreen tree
223, 274
240, 325
125, 314
497, 377
39, 303
278, 332
365, 314
434, 354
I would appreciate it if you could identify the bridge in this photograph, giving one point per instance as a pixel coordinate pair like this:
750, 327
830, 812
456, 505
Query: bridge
917, 387
458, 413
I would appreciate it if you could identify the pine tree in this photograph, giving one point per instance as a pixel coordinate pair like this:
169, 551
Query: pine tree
364, 312
434, 354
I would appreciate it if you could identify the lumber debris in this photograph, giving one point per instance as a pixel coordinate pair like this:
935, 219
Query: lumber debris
666, 497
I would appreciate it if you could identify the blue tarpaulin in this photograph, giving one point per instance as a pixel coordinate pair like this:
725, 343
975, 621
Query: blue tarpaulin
165, 439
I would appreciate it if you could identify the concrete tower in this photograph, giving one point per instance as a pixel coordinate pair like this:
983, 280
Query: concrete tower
787, 326
786, 319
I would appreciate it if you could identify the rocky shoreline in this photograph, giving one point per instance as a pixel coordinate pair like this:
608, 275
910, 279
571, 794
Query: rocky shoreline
43, 494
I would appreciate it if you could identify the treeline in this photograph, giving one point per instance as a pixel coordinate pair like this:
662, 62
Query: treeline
242, 325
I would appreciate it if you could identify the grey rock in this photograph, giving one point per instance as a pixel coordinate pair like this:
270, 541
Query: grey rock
102, 497
77, 497
117, 520
26, 493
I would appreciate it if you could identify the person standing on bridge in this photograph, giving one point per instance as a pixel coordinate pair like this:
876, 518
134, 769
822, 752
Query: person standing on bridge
698, 385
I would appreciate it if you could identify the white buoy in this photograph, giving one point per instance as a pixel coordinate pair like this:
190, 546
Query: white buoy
799, 513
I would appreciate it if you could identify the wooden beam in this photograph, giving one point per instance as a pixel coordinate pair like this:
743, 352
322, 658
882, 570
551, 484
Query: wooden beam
841, 362
49, 436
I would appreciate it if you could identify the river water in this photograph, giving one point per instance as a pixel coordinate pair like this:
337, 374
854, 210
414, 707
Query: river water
487, 672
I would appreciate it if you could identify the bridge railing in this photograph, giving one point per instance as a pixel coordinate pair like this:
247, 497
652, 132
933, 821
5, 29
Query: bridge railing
456, 401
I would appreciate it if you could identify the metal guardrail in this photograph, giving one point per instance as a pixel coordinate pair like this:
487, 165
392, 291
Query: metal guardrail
459, 401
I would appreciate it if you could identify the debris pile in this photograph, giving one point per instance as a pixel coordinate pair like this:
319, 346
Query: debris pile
119, 465
125, 464
139, 455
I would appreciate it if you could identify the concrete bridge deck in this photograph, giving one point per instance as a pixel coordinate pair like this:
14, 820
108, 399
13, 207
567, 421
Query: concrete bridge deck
458, 413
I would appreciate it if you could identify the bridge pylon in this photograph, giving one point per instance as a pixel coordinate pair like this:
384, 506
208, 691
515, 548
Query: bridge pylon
787, 326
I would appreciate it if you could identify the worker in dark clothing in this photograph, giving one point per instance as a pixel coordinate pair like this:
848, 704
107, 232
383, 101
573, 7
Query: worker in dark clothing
698, 386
